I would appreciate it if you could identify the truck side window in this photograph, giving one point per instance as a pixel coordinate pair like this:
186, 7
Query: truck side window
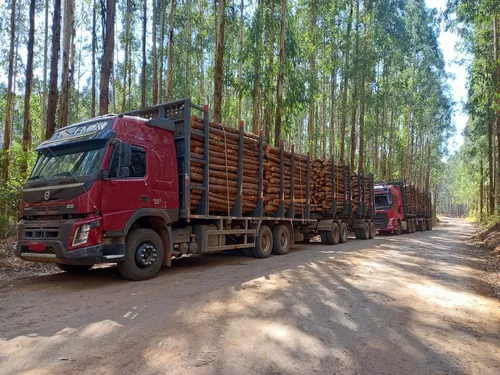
137, 165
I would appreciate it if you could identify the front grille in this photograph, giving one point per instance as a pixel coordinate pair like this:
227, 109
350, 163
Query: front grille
41, 233
381, 220
48, 250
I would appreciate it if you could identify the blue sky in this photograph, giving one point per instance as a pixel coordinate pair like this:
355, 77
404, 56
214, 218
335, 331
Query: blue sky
458, 80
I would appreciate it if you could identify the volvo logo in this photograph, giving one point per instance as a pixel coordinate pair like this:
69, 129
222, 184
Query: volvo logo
46, 195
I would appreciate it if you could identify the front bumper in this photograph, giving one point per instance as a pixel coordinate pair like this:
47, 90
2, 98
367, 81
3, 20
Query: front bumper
55, 248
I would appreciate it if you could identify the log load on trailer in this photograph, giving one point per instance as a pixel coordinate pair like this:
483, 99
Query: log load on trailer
402, 208
143, 187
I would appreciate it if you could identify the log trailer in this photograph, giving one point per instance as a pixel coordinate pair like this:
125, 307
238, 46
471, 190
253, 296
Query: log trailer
141, 188
402, 208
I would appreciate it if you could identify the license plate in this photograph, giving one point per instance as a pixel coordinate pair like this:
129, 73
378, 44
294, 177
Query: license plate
36, 246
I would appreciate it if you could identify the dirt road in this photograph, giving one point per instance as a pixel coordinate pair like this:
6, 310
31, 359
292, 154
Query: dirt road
413, 304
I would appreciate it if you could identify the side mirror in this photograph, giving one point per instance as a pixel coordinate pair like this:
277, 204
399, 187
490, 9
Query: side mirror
125, 155
124, 172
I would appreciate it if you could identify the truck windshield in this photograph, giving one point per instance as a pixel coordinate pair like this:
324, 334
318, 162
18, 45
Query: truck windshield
382, 201
68, 162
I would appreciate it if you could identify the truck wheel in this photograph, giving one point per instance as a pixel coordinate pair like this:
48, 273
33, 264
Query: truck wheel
365, 232
144, 255
281, 239
424, 225
373, 231
343, 233
413, 226
264, 243
429, 225
334, 235
71, 268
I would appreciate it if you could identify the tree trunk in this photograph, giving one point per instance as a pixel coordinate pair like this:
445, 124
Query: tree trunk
323, 120
66, 55
170, 52
202, 59
54, 65
126, 59
219, 61
497, 89
8, 107
240, 61
481, 190
281, 69
155, 58
107, 59
27, 91
256, 69
332, 109
188, 78
162, 43
491, 172
45, 62
144, 34
94, 47
354, 102
268, 99
345, 83
311, 133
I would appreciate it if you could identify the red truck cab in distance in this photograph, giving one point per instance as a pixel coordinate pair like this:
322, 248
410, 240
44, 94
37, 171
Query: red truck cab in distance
389, 208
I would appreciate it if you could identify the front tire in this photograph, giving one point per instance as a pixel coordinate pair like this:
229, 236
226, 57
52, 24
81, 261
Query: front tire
71, 268
373, 230
144, 255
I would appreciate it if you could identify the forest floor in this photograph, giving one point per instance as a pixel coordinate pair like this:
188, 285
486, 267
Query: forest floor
413, 304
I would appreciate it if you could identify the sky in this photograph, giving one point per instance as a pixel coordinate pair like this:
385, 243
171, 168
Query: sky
458, 80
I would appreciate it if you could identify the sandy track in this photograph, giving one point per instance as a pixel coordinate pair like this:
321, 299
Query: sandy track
414, 304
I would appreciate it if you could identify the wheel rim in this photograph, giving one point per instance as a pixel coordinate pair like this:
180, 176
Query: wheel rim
284, 241
146, 255
265, 242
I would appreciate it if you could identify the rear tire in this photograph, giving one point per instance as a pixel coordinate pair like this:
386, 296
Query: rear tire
373, 230
343, 233
72, 268
281, 240
144, 255
263, 243
365, 232
424, 226
429, 225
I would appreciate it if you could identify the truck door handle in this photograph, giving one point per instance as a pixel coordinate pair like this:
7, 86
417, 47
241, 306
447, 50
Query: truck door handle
145, 198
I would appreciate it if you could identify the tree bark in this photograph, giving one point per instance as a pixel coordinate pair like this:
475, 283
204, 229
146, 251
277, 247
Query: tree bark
344, 87
188, 78
162, 42
481, 190
219, 56
144, 34
497, 89
94, 47
155, 54
256, 69
107, 59
45, 62
27, 91
281, 69
54, 65
354, 101
491, 172
8, 107
240, 61
170, 57
270, 57
311, 121
65, 81
127, 49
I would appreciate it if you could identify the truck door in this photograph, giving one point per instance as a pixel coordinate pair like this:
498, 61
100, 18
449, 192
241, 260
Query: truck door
121, 197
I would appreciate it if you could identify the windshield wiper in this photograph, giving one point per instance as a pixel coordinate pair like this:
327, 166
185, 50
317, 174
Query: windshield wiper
66, 175
37, 177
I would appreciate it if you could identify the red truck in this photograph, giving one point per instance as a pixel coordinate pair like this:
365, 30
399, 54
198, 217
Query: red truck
116, 189
402, 208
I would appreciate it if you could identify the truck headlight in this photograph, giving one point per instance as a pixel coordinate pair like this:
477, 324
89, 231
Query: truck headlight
82, 233
391, 221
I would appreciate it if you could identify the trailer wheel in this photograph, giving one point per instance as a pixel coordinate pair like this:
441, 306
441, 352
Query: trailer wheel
424, 225
373, 231
331, 237
343, 233
264, 243
281, 239
144, 255
413, 226
72, 268
429, 225
364, 233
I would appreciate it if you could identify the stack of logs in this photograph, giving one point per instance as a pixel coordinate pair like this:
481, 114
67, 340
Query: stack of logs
361, 184
323, 193
223, 167
272, 180
419, 201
